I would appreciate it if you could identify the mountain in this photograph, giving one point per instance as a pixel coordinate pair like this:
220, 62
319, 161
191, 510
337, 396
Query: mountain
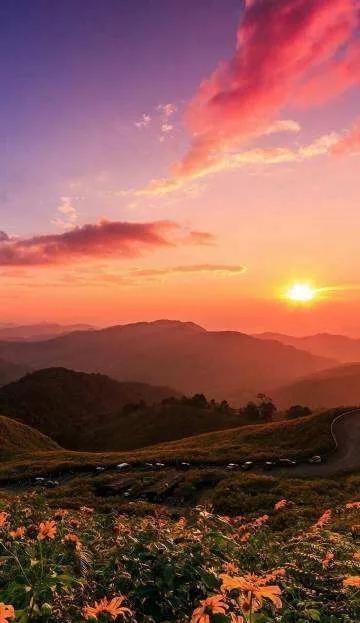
336, 387
37, 332
11, 371
344, 349
221, 364
17, 437
80, 411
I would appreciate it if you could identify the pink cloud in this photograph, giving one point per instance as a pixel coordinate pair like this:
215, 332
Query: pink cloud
350, 142
279, 46
100, 240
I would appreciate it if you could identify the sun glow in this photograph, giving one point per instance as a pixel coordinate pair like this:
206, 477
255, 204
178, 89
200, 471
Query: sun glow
301, 293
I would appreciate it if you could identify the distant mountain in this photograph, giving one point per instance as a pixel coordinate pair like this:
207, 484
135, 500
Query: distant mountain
37, 332
335, 387
86, 411
344, 349
17, 437
11, 371
221, 364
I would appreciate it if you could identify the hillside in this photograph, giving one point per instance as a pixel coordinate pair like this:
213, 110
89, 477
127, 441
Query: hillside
221, 364
42, 331
93, 412
10, 371
335, 387
16, 437
344, 349
79, 410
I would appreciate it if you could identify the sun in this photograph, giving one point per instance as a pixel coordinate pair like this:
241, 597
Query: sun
301, 293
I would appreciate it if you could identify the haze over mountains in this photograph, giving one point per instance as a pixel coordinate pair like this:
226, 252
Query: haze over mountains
340, 347
41, 331
181, 355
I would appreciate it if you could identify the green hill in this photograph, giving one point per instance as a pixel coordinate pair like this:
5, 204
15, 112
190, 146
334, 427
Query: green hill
93, 412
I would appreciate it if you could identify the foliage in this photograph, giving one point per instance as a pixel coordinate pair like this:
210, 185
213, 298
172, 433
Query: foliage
70, 566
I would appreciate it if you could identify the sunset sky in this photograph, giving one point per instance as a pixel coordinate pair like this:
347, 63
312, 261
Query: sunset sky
186, 159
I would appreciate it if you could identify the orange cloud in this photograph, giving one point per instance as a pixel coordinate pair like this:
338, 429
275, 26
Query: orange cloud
100, 240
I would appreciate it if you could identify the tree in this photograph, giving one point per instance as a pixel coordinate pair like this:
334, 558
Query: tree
297, 411
266, 407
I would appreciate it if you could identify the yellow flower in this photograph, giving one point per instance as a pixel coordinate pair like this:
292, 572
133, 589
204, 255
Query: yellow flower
230, 567
211, 605
47, 530
113, 607
6, 613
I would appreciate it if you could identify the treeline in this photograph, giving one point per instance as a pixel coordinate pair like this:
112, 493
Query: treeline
262, 409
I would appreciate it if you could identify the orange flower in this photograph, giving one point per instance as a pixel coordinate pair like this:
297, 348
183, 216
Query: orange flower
356, 556
254, 589
74, 539
18, 533
87, 509
6, 613
230, 567
279, 505
245, 537
47, 530
112, 607
3, 518
211, 605
236, 618
327, 559
324, 519
352, 580
353, 505
61, 513
260, 520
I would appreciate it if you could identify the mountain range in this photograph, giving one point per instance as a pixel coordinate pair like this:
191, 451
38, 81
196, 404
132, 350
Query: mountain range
340, 347
181, 355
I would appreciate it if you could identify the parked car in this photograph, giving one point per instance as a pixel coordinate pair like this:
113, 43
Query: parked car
287, 462
232, 466
269, 465
51, 484
247, 465
40, 480
99, 469
184, 465
316, 459
121, 466
159, 465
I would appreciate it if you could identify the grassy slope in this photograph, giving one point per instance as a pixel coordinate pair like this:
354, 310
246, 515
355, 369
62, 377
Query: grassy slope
297, 438
17, 437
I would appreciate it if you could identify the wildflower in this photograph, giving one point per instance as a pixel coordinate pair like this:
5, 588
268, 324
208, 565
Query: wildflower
74, 539
245, 537
352, 580
356, 556
88, 510
236, 618
353, 505
112, 607
280, 505
327, 559
260, 520
254, 589
6, 612
61, 513
230, 567
211, 605
324, 519
47, 530
18, 533
3, 518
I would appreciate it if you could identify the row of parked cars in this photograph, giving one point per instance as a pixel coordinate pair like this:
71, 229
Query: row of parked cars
269, 465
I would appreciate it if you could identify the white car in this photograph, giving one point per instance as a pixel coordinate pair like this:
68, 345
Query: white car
122, 466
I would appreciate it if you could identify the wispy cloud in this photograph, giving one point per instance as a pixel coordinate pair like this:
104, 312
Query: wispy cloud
281, 46
349, 143
218, 269
68, 214
101, 240
143, 122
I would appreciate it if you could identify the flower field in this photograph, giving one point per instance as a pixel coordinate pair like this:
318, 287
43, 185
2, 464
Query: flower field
80, 565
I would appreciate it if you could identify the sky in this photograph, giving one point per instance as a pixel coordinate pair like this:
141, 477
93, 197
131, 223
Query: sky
180, 159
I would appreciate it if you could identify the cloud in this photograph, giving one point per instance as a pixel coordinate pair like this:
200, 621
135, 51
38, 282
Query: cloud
219, 269
349, 143
143, 122
69, 215
283, 125
3, 236
279, 47
167, 110
100, 240
256, 156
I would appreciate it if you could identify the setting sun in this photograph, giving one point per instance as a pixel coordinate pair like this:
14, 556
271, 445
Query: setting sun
301, 292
